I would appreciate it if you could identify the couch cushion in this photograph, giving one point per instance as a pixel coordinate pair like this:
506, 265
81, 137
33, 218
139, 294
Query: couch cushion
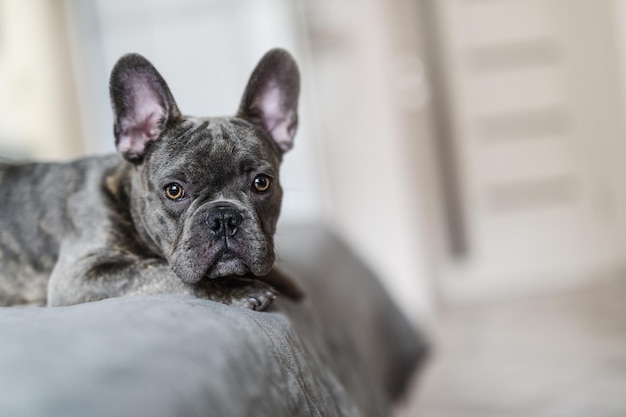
344, 351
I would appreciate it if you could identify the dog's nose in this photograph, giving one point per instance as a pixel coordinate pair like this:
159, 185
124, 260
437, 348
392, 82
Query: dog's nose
223, 220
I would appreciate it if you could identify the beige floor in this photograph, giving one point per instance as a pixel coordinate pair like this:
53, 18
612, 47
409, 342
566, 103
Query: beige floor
557, 356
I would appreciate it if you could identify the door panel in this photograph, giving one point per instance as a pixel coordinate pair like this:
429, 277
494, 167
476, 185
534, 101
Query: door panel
534, 98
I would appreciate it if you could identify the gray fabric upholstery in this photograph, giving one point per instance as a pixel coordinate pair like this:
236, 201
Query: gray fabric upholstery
345, 351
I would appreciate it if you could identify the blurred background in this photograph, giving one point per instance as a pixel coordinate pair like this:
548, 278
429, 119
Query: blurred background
471, 151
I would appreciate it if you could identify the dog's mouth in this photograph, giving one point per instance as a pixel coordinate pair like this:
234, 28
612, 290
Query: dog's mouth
226, 263
220, 260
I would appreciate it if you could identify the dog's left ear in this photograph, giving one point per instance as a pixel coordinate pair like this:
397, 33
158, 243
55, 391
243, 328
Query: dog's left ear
271, 97
143, 105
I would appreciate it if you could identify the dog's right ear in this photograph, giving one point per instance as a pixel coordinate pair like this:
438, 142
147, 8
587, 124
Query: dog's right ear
142, 104
271, 97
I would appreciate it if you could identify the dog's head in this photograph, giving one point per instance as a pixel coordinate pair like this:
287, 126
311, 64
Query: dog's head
205, 191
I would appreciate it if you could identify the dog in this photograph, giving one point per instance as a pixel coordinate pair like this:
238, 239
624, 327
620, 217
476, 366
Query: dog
187, 205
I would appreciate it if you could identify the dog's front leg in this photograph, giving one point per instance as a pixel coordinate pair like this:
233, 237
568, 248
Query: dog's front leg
100, 275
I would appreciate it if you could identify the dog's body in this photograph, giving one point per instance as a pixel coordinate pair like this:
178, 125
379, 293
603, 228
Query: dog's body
189, 206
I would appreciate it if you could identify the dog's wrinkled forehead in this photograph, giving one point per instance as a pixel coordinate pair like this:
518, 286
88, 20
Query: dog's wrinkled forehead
197, 145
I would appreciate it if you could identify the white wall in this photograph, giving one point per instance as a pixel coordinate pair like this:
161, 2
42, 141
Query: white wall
38, 107
376, 139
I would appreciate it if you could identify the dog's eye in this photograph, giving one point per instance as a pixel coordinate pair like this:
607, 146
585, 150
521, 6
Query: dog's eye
174, 191
262, 183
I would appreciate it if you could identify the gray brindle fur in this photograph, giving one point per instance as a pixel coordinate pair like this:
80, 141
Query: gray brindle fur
188, 205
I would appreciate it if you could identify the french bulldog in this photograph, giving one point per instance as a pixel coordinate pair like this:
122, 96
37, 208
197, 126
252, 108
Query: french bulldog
187, 205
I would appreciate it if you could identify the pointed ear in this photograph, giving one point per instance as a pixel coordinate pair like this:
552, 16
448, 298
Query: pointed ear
142, 105
271, 97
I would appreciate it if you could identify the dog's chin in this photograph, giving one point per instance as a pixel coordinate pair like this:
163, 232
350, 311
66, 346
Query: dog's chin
227, 267
230, 266
220, 269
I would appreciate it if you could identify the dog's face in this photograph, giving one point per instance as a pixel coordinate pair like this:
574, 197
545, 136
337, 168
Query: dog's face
210, 198
206, 191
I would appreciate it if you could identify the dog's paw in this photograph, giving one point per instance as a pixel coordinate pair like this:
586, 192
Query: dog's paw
245, 293
258, 301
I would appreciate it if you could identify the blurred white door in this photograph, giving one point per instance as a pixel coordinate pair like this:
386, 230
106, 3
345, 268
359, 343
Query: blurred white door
534, 102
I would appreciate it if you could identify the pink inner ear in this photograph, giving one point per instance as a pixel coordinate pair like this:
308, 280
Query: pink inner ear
275, 119
144, 124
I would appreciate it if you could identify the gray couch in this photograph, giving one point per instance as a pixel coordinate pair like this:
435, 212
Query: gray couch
344, 351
